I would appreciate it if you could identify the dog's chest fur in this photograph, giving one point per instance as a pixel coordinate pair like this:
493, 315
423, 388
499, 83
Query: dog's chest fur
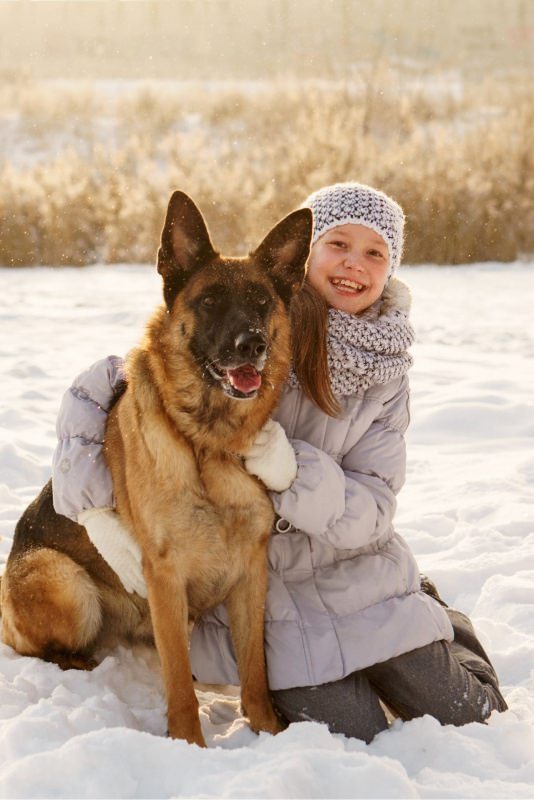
220, 553
198, 507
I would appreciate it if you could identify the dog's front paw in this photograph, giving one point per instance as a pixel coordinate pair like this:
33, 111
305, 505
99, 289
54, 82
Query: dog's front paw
187, 729
265, 719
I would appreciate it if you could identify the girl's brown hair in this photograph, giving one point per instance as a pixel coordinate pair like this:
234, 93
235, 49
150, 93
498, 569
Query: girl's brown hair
309, 322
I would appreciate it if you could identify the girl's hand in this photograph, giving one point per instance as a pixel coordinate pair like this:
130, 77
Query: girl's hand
116, 545
271, 458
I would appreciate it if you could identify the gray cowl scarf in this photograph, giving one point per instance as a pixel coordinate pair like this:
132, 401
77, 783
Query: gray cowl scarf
371, 347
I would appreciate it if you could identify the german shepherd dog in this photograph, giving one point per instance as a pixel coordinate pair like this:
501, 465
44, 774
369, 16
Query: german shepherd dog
203, 381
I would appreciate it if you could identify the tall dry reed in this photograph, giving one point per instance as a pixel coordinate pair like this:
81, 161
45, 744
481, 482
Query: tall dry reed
88, 172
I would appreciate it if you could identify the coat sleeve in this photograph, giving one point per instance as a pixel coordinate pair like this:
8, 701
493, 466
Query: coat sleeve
351, 504
80, 477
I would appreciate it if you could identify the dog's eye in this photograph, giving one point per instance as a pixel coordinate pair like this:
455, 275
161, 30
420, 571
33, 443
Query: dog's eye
262, 301
208, 301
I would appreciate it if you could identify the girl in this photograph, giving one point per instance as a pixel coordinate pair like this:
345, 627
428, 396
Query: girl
347, 621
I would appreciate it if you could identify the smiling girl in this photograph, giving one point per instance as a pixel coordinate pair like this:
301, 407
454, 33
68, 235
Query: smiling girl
348, 622
348, 267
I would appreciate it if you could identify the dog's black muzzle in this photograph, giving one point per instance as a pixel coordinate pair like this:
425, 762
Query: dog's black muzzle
238, 366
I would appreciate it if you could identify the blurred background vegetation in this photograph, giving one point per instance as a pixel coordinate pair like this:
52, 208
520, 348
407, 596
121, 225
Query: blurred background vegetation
106, 107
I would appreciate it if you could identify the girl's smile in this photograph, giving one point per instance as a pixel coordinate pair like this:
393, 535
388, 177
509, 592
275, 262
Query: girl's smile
349, 266
347, 287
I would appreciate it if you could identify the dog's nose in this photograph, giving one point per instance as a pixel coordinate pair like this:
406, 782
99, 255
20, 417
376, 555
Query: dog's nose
250, 345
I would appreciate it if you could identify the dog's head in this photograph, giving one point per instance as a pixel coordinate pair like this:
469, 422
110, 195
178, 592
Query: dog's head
229, 311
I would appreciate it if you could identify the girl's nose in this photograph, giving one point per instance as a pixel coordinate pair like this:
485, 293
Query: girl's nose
352, 261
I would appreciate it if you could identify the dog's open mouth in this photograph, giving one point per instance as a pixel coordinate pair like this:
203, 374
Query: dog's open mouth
241, 382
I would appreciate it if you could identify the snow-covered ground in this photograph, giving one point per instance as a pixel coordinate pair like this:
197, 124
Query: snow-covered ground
467, 510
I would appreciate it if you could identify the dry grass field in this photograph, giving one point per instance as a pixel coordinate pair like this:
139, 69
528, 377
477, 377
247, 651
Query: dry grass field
86, 169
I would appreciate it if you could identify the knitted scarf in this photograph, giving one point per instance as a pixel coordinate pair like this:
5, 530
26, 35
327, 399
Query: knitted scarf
371, 347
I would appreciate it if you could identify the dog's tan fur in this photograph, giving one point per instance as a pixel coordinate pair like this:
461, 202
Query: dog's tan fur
174, 446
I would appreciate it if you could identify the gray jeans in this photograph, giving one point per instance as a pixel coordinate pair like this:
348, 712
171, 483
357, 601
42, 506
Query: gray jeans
452, 681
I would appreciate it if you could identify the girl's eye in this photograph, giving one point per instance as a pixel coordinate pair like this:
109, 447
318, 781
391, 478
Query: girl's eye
338, 243
208, 301
376, 254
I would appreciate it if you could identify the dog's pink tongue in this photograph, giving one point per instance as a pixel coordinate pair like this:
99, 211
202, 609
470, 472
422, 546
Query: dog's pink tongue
245, 379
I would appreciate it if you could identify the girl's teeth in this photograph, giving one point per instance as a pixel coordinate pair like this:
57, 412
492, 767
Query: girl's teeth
356, 286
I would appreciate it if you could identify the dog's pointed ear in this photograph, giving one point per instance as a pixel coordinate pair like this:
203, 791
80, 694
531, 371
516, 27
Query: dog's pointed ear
284, 251
185, 244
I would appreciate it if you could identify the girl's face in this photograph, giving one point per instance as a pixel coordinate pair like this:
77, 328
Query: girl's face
349, 266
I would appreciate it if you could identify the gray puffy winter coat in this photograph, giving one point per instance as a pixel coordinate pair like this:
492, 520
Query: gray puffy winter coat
344, 588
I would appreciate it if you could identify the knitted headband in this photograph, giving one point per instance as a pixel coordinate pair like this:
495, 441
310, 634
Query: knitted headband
356, 203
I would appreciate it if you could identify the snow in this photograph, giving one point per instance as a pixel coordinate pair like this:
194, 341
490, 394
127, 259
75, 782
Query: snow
467, 510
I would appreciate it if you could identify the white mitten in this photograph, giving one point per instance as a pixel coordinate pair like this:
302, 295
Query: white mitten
116, 545
271, 458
